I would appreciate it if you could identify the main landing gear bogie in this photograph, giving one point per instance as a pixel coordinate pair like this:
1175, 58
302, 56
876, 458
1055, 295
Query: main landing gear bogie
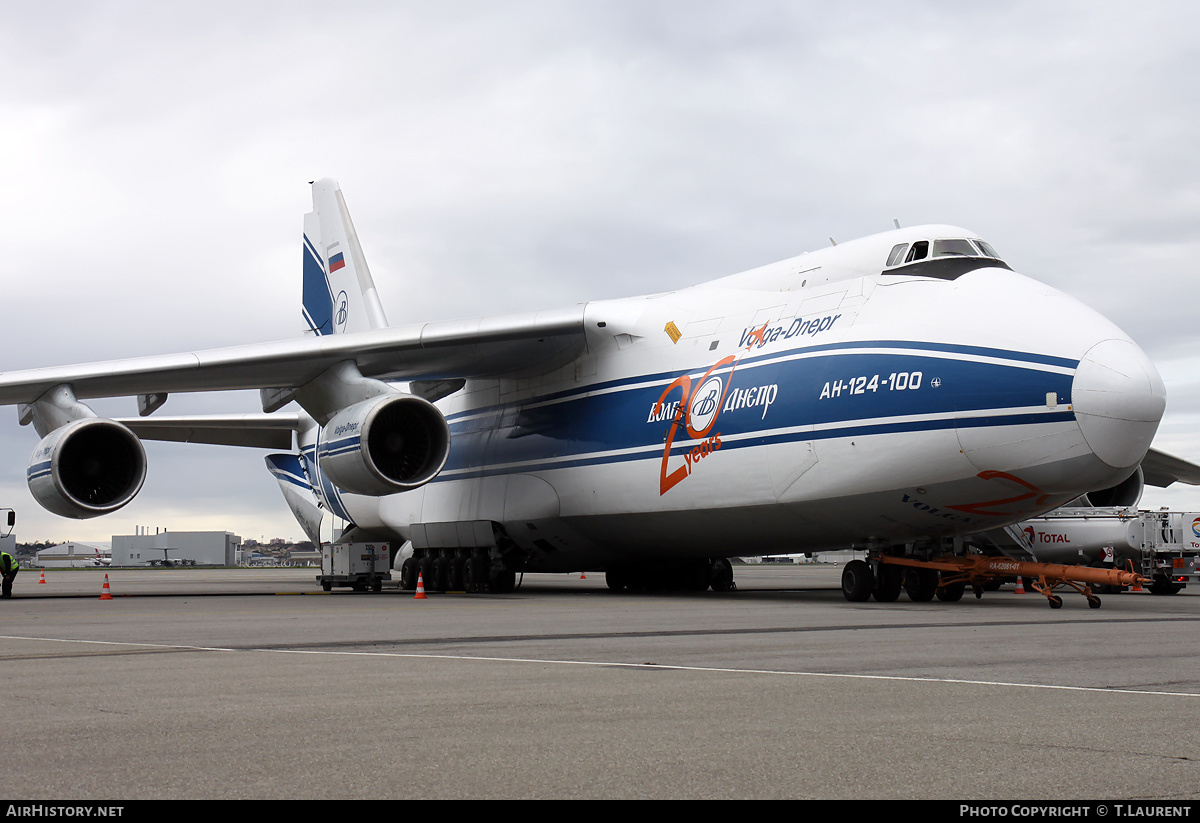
861, 583
458, 570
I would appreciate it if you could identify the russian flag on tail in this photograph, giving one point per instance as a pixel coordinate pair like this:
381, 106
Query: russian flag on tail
338, 261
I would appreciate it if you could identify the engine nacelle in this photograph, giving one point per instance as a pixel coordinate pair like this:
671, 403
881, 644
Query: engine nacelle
87, 468
387, 444
1125, 494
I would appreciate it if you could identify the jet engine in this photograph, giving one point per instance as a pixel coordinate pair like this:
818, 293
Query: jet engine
1125, 494
87, 468
386, 444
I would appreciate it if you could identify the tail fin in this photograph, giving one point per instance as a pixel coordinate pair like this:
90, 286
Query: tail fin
339, 294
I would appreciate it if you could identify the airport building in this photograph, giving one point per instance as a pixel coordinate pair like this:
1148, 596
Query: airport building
73, 554
188, 548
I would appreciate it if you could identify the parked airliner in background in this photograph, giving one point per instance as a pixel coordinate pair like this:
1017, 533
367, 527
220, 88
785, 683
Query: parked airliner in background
900, 394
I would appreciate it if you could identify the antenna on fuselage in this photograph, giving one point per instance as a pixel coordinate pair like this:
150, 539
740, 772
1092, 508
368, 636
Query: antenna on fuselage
896, 221
832, 241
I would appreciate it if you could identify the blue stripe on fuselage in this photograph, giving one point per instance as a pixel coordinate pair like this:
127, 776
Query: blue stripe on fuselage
807, 351
289, 468
769, 398
330, 494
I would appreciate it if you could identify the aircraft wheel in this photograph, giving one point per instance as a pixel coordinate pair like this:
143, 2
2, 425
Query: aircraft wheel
408, 575
441, 572
455, 574
920, 584
475, 577
721, 576
888, 584
425, 570
503, 580
1055, 601
616, 579
636, 579
857, 581
952, 593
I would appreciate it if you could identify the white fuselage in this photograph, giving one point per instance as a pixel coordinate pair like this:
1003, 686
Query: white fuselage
816, 403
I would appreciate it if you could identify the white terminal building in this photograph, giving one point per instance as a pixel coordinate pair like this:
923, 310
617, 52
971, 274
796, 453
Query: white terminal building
198, 548
73, 554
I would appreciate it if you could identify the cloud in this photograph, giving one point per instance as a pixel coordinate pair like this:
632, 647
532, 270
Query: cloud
536, 154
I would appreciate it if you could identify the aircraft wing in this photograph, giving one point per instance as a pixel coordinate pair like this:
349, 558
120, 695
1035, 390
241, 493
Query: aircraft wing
1161, 469
508, 344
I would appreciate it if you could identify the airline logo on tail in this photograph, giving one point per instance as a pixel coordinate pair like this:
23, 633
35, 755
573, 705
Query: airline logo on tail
340, 313
339, 294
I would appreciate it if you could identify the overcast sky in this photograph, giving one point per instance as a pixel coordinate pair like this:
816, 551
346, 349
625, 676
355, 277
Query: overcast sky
505, 156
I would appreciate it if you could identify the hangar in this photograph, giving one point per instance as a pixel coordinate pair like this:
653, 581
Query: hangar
190, 548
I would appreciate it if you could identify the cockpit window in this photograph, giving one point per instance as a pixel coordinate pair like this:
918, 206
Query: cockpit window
987, 250
920, 250
950, 248
946, 258
943, 258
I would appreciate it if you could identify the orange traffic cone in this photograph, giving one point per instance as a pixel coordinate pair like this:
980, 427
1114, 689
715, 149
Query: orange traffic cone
420, 595
1020, 585
43, 577
1137, 584
104, 593
582, 576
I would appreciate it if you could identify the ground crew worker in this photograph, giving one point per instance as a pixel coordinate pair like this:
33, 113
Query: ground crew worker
8, 571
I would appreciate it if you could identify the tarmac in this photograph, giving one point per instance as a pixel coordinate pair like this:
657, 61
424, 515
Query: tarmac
253, 683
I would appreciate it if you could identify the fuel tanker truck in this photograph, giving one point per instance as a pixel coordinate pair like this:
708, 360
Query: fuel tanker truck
1162, 546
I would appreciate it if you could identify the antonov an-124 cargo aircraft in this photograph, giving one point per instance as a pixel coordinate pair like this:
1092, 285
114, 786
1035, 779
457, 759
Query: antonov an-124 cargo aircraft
900, 394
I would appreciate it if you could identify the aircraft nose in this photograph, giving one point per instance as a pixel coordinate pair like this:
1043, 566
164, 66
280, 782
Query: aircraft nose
1118, 398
